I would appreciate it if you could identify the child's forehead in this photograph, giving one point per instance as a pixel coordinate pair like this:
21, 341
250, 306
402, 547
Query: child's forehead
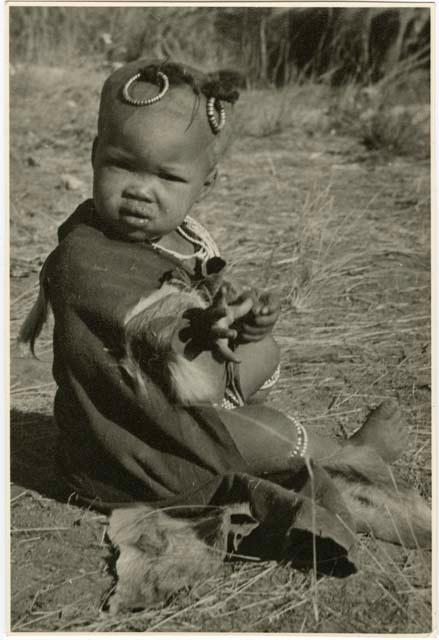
159, 130
170, 112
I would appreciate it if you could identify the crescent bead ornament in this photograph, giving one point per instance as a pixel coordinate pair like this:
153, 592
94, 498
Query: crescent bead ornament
213, 105
302, 439
164, 81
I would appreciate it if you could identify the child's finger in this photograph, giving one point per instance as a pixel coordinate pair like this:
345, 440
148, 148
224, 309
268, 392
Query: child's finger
251, 330
220, 307
265, 321
262, 320
247, 293
227, 353
224, 332
221, 296
218, 312
241, 309
269, 301
249, 337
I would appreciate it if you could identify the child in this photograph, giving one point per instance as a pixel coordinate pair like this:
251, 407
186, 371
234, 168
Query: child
152, 347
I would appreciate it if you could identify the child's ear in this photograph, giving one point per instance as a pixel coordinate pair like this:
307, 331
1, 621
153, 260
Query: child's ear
211, 178
93, 150
209, 183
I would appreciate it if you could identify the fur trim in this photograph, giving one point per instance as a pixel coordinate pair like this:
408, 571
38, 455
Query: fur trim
190, 383
180, 301
150, 327
34, 322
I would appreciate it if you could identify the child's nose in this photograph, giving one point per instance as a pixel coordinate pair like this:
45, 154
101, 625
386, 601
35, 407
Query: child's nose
138, 191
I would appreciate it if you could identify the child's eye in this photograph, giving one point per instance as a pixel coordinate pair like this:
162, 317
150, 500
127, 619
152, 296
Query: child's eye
118, 163
171, 177
122, 164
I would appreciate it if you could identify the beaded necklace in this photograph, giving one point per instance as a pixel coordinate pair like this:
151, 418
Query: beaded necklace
195, 233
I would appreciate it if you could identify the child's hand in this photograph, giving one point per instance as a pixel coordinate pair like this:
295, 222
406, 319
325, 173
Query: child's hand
222, 316
261, 319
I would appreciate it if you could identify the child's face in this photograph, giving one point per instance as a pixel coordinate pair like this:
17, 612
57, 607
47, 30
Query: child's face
148, 172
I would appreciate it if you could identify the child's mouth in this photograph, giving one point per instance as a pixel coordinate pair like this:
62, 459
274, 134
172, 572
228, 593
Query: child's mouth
137, 216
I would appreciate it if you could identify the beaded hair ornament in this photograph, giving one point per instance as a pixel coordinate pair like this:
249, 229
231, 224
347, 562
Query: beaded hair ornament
214, 89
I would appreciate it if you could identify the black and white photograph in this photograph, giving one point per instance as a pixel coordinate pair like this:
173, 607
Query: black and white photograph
220, 384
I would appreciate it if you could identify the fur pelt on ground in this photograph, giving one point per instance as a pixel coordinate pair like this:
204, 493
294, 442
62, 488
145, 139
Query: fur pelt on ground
160, 555
380, 503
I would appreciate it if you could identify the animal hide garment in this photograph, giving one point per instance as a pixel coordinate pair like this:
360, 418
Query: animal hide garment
164, 551
160, 555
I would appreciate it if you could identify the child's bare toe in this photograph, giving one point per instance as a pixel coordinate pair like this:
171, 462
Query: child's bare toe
384, 430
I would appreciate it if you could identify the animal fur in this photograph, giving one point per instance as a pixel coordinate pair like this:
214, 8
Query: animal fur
160, 555
36, 319
379, 503
149, 330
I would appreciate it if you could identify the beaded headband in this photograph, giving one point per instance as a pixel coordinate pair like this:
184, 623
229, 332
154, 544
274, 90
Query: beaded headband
213, 105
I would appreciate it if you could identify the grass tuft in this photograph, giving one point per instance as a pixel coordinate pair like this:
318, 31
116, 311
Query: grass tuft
382, 117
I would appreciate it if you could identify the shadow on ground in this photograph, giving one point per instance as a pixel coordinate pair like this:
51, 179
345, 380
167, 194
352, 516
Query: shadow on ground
33, 440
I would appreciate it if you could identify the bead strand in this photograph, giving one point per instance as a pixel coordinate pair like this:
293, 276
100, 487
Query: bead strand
212, 105
272, 380
201, 236
195, 233
146, 101
302, 440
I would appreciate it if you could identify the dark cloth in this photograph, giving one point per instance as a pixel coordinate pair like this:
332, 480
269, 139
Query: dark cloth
116, 447
112, 442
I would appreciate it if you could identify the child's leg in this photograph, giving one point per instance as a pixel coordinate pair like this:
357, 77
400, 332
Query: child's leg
383, 430
258, 362
266, 438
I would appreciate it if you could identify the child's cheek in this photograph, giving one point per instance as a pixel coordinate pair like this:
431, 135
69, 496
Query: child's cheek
112, 188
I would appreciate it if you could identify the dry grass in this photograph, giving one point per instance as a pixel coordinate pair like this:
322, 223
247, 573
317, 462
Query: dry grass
391, 115
344, 235
266, 113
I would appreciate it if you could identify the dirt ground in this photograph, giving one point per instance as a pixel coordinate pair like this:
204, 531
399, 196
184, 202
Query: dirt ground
343, 233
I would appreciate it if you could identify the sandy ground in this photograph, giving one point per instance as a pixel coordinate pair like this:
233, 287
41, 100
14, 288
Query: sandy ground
343, 233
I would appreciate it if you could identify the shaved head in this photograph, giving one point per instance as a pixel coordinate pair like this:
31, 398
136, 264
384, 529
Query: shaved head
180, 104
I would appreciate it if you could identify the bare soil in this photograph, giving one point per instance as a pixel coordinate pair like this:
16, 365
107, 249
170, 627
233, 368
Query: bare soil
343, 233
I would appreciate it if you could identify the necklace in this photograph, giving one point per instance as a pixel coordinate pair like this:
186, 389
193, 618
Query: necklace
195, 233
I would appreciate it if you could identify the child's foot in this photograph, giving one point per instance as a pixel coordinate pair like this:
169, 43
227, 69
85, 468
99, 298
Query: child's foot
384, 430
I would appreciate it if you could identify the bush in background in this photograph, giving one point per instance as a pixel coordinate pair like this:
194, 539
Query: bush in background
271, 46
